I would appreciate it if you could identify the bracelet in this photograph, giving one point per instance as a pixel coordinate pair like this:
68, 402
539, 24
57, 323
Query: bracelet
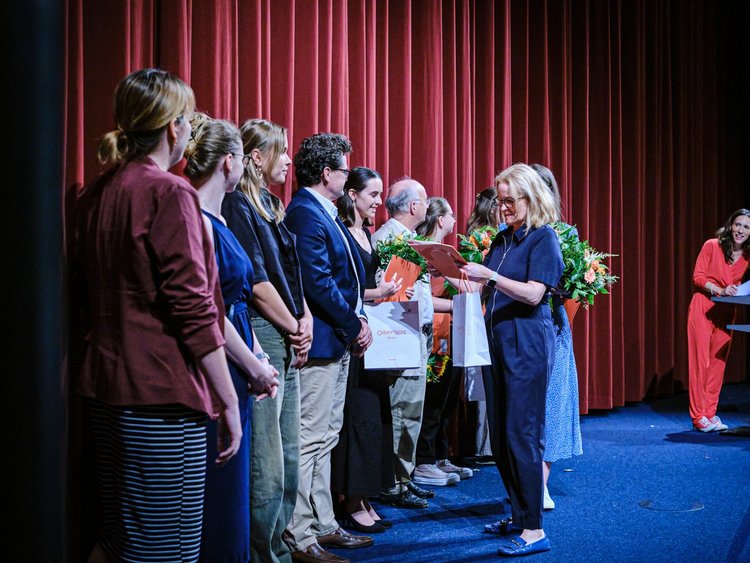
263, 356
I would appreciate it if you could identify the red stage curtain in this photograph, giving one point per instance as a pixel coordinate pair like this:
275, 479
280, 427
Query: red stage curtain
636, 105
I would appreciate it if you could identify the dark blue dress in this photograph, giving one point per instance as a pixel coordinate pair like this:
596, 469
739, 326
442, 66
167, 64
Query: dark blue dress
522, 342
226, 517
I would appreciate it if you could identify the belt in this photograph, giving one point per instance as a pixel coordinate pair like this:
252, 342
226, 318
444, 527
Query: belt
236, 308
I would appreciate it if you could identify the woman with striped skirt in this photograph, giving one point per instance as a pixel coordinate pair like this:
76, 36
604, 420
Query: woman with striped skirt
147, 309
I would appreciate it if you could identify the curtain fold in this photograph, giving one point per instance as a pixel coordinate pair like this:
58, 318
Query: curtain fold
637, 106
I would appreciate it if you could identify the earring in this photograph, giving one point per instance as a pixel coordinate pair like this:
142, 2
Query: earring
259, 171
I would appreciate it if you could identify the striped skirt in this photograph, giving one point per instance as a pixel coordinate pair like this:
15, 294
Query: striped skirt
151, 463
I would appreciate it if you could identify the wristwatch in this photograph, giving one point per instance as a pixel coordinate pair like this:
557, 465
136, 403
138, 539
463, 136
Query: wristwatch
493, 280
263, 356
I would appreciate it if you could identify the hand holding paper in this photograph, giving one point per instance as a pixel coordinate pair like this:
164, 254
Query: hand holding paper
403, 272
389, 287
743, 289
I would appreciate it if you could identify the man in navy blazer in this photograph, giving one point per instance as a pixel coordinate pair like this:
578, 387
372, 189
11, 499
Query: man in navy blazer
333, 278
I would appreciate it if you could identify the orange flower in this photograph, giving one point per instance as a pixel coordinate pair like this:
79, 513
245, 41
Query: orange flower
590, 276
595, 264
486, 240
601, 270
473, 241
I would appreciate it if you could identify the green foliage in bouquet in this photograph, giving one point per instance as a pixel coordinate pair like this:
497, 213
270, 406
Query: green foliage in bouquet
475, 245
397, 246
585, 274
437, 364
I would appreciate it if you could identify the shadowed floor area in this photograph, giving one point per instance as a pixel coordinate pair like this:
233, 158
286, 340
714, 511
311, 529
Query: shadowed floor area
647, 488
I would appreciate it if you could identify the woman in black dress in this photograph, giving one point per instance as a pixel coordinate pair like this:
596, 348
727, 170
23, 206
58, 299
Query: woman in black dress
362, 460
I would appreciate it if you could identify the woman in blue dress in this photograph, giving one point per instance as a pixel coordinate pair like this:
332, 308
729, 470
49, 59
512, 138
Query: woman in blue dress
522, 266
215, 164
562, 429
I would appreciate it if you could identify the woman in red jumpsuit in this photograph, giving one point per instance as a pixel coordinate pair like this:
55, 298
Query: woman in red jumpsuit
719, 269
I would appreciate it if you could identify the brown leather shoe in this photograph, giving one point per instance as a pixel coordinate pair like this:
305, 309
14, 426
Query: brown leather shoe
342, 538
315, 554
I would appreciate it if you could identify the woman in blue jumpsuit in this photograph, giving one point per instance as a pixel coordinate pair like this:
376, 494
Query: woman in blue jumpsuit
522, 265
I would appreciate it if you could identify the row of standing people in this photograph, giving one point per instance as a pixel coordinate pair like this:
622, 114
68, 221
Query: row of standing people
286, 310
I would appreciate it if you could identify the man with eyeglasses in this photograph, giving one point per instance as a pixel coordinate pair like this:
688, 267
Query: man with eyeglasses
407, 207
333, 279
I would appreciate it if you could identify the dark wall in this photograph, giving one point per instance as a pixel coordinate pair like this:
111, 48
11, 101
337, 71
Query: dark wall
33, 417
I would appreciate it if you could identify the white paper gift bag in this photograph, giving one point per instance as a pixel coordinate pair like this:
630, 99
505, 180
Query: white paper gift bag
470, 347
396, 340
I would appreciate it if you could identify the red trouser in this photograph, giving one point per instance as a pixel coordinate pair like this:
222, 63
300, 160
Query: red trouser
708, 348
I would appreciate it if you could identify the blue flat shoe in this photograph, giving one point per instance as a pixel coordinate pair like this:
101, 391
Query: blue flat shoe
517, 547
502, 528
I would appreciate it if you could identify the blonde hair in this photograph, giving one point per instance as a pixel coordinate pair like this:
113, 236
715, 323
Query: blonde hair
212, 140
523, 181
270, 139
146, 101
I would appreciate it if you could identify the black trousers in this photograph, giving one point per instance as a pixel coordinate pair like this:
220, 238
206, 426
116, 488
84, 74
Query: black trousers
440, 401
515, 411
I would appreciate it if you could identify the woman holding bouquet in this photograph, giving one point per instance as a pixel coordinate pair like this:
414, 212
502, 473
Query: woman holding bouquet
720, 267
523, 265
562, 429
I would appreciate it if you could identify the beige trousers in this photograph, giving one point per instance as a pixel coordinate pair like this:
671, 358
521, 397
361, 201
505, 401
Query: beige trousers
407, 404
322, 390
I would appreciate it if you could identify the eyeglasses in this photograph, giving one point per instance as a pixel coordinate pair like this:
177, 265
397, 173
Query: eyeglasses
508, 201
344, 171
245, 158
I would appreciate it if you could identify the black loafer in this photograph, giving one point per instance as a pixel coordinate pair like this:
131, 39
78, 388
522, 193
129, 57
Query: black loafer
419, 491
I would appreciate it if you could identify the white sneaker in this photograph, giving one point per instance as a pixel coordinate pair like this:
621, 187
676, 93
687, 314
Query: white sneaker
704, 425
429, 474
549, 504
716, 421
448, 467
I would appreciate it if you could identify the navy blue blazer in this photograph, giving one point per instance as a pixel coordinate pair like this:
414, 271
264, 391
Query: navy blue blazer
327, 276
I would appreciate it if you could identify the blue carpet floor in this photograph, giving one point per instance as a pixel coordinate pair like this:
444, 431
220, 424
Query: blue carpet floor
694, 488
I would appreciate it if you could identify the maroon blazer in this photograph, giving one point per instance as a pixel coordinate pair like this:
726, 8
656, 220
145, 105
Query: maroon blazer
145, 289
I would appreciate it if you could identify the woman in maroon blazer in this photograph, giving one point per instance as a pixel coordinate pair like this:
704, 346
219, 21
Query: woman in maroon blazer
144, 280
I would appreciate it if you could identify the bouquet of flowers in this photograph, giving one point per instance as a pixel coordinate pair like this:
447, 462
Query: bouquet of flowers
437, 364
475, 245
585, 275
397, 246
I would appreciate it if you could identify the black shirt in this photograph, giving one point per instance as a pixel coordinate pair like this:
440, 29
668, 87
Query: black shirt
269, 245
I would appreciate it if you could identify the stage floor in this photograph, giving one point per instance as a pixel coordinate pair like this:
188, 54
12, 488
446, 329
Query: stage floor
647, 488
